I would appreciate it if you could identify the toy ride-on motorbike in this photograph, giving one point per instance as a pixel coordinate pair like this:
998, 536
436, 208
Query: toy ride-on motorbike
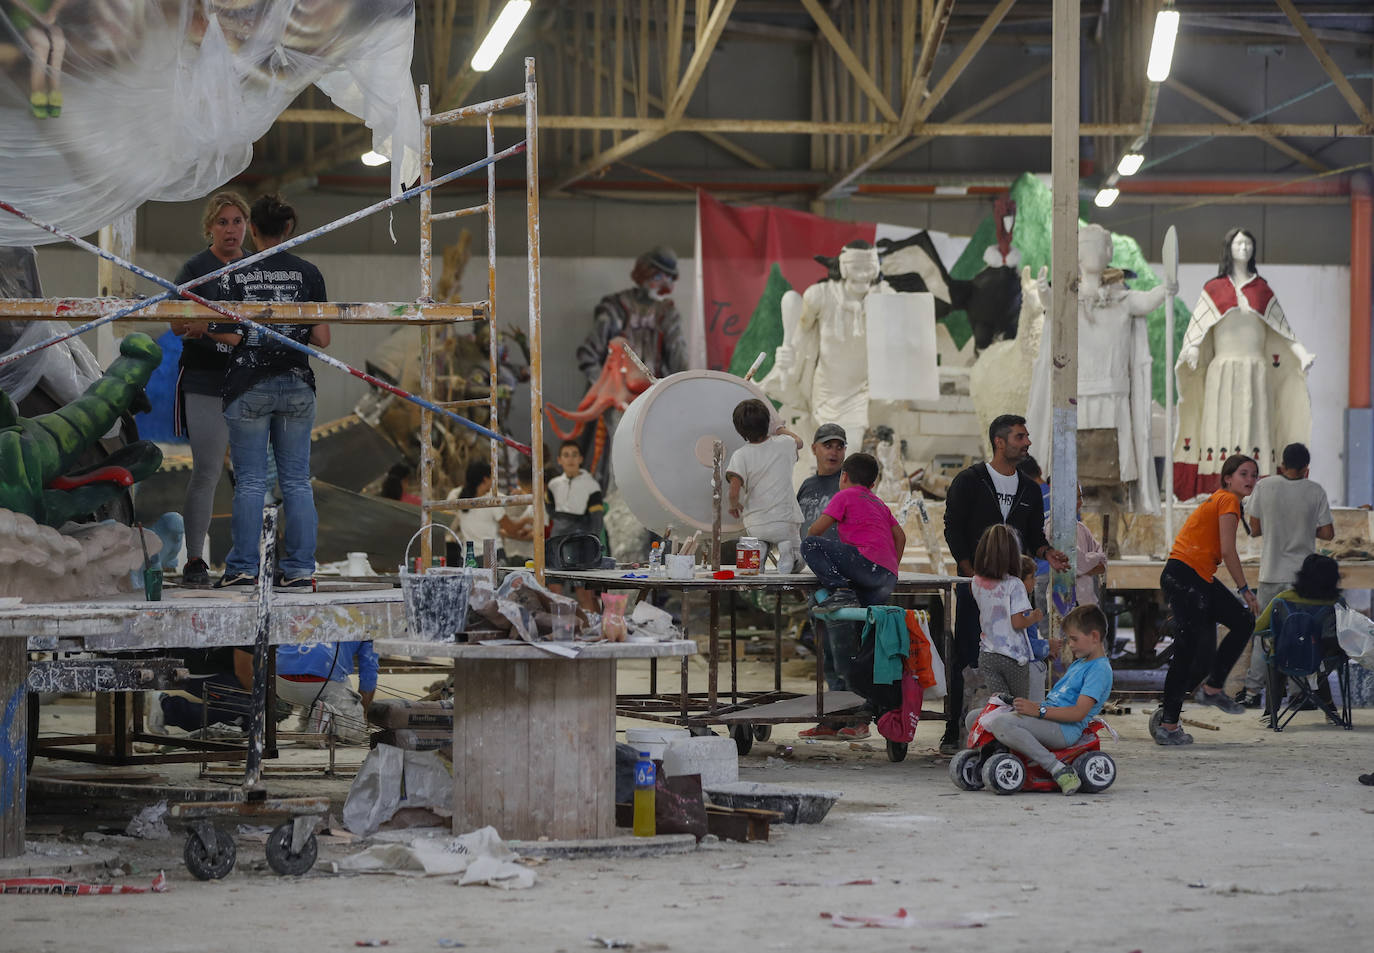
986, 762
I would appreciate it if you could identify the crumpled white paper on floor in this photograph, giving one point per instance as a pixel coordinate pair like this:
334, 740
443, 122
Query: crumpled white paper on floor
479, 857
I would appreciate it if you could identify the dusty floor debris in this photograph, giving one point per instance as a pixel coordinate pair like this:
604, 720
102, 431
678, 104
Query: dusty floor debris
1235, 812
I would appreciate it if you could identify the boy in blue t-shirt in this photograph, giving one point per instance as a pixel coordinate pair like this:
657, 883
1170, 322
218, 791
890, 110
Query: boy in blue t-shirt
1036, 729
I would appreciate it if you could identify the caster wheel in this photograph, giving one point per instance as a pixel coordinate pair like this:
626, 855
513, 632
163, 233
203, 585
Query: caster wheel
1004, 773
1096, 770
209, 862
744, 738
963, 770
896, 751
763, 732
700, 731
1156, 720
280, 858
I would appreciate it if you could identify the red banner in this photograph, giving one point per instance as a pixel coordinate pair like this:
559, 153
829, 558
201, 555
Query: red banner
740, 245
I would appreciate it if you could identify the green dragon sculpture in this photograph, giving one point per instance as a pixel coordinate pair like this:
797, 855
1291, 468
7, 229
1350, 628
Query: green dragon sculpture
40, 457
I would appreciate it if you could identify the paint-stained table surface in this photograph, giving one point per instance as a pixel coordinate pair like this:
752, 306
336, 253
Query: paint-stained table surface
190, 618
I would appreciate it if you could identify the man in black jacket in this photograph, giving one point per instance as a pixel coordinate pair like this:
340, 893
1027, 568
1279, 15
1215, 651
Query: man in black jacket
981, 496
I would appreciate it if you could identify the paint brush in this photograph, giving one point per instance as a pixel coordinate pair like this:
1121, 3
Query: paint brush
144, 543
753, 368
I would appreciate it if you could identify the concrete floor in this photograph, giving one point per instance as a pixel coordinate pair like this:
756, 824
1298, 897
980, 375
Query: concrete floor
1248, 840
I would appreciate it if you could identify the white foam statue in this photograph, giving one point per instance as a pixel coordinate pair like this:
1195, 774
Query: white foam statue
1000, 381
824, 372
1242, 375
1114, 387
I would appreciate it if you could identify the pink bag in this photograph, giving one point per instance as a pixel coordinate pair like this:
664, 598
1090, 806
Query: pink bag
899, 724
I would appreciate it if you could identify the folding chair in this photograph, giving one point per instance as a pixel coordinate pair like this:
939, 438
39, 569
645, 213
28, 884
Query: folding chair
1301, 644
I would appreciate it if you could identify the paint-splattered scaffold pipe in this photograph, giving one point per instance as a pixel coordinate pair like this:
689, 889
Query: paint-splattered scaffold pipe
185, 292
177, 290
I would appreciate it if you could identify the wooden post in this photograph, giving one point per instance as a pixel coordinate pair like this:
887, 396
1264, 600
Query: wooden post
535, 334
14, 668
113, 281
427, 389
1064, 296
553, 723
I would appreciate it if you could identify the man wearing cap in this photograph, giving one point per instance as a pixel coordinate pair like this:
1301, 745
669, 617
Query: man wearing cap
644, 316
816, 491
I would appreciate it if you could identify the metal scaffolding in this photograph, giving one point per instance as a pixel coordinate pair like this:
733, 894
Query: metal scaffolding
429, 334
424, 312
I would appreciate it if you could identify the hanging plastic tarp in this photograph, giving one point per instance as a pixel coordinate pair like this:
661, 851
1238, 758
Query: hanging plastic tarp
106, 104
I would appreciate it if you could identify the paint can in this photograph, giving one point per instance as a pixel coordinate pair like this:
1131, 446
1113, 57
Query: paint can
748, 556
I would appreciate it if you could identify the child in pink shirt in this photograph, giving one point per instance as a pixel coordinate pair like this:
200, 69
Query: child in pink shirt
862, 564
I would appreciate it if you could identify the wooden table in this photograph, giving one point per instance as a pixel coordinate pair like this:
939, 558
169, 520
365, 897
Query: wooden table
184, 619
696, 710
1137, 582
1144, 573
534, 733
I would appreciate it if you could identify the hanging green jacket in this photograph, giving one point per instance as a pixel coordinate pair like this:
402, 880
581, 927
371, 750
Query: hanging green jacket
887, 627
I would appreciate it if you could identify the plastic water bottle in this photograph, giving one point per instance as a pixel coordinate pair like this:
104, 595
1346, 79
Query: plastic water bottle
470, 556
645, 777
655, 559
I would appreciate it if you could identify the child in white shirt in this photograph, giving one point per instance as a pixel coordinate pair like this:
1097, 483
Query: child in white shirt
762, 470
1004, 609
574, 496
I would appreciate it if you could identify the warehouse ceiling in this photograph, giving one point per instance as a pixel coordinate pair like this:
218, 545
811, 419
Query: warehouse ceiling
824, 99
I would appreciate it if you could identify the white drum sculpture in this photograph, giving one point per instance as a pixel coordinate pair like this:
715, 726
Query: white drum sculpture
662, 452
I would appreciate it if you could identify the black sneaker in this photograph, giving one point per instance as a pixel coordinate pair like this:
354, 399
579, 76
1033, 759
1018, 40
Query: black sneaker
236, 579
836, 599
195, 573
1218, 700
1249, 699
296, 584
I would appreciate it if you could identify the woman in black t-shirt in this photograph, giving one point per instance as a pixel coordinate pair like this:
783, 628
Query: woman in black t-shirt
269, 406
199, 414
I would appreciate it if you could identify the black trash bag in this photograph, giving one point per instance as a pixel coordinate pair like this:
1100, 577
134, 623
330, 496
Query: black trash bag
881, 698
626, 757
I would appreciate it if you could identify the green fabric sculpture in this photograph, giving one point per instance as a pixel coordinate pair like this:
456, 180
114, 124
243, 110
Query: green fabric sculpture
41, 471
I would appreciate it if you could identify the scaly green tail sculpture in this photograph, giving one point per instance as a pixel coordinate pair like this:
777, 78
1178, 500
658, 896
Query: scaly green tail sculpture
38, 454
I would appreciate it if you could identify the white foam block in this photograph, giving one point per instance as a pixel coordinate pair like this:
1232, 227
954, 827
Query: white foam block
901, 347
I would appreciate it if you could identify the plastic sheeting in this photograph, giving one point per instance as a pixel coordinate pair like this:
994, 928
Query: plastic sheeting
163, 100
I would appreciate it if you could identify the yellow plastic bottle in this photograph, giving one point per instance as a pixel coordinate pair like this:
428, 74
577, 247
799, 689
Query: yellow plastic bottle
645, 777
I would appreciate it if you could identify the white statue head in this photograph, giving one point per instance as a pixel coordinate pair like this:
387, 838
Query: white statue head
859, 268
1094, 249
1238, 253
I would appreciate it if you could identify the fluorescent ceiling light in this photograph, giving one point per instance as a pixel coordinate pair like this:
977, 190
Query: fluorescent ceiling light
374, 158
1162, 46
1130, 163
499, 35
1106, 197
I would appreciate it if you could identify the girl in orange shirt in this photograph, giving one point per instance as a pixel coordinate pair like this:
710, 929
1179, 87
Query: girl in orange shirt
1199, 602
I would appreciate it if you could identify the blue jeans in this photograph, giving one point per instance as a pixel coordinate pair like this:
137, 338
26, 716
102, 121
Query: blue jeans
841, 566
841, 643
282, 408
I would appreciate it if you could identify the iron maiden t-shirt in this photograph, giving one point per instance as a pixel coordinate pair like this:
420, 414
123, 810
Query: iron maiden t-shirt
259, 357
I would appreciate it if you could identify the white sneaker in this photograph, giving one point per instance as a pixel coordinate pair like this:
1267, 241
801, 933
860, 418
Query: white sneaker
156, 721
788, 557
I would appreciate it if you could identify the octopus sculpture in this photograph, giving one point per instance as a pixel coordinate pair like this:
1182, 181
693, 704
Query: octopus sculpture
620, 382
40, 457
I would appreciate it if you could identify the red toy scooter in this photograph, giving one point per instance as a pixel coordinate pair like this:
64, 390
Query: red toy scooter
986, 762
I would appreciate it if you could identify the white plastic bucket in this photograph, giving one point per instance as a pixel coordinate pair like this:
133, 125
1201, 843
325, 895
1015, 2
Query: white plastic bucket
654, 740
